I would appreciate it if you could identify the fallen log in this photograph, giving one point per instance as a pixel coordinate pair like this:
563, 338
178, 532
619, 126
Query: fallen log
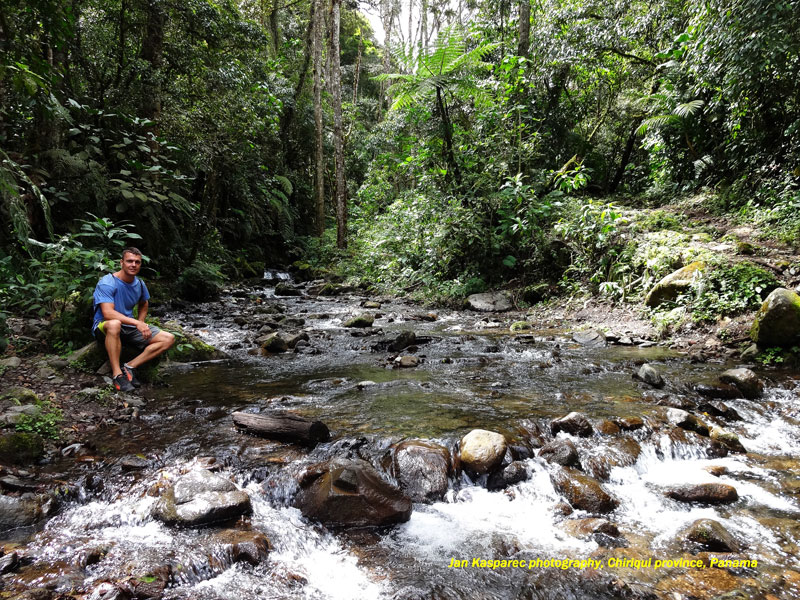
283, 427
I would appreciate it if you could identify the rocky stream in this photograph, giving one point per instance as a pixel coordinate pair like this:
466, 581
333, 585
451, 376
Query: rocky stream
424, 455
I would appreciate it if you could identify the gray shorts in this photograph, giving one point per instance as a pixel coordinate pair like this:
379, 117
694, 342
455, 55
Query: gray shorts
129, 335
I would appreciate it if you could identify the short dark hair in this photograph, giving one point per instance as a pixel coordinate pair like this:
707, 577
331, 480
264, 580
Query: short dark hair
132, 250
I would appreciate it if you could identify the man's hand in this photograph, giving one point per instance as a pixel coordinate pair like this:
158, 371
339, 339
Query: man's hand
143, 329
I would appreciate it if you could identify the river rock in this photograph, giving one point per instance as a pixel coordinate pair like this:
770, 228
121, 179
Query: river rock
421, 469
723, 391
403, 340
583, 492
20, 511
745, 381
19, 448
8, 563
719, 409
365, 320
674, 284
728, 439
284, 289
406, 362
590, 338
273, 344
237, 546
371, 304
201, 497
300, 337
351, 493
711, 536
561, 452
490, 302
778, 320
705, 493
585, 528
648, 374
574, 423
628, 423
686, 420
511, 474
12, 362
521, 326
619, 452
482, 451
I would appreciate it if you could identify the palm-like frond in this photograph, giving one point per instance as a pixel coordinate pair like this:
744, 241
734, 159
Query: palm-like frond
688, 108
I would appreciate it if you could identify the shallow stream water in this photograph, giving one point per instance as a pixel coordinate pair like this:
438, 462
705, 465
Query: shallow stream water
474, 373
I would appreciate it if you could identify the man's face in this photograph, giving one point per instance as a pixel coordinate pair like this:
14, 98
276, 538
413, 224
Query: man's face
131, 263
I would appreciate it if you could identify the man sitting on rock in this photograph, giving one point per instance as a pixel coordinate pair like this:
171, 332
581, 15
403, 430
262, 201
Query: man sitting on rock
114, 324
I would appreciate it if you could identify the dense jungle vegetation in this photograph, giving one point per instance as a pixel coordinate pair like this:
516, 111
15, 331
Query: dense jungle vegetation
483, 144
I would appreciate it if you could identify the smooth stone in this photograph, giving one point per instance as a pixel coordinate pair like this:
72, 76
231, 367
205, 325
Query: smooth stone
250, 547
590, 338
490, 302
685, 420
561, 452
583, 492
711, 536
704, 493
728, 439
21, 511
674, 284
273, 344
201, 497
406, 362
365, 320
648, 374
12, 362
628, 423
403, 340
511, 474
482, 451
422, 469
777, 322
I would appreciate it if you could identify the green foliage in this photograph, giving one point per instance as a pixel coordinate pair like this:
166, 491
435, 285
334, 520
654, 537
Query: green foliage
45, 423
200, 282
729, 289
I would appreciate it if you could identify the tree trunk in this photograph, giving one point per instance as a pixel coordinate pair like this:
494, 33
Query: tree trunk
338, 137
524, 28
284, 427
358, 67
290, 110
388, 25
319, 156
626, 157
153, 53
423, 36
453, 173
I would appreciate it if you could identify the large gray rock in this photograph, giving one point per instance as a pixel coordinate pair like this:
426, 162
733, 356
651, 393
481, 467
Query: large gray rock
650, 376
422, 468
674, 284
351, 493
745, 381
403, 340
482, 451
241, 546
778, 320
490, 302
365, 320
686, 420
591, 338
274, 343
201, 497
21, 511
583, 492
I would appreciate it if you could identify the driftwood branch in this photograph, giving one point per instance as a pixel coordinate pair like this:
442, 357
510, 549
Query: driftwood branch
283, 427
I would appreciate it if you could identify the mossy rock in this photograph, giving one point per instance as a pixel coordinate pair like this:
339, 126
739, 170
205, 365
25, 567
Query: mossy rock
778, 320
188, 347
521, 326
674, 284
365, 320
21, 396
330, 289
21, 448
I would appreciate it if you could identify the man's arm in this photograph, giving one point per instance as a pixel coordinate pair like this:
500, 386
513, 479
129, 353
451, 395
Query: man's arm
109, 312
143, 306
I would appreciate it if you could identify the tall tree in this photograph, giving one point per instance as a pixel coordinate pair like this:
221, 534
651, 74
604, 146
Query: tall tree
335, 75
319, 153
524, 28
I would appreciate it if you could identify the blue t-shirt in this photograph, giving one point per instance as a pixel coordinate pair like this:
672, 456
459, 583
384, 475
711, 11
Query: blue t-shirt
125, 296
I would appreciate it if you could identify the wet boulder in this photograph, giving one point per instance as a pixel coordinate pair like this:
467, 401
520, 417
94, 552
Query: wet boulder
403, 340
201, 497
727, 439
511, 474
628, 423
745, 381
719, 409
285, 289
360, 321
686, 420
561, 452
674, 284
422, 469
21, 511
778, 320
371, 304
583, 492
620, 452
482, 451
273, 343
723, 391
490, 302
406, 362
704, 493
294, 339
590, 338
711, 536
649, 375
241, 546
574, 423
351, 493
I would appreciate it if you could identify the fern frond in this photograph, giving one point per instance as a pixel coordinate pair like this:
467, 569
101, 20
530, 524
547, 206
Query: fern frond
688, 108
657, 122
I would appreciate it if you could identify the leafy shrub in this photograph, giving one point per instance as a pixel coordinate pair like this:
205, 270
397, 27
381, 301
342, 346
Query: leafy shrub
730, 289
45, 423
200, 282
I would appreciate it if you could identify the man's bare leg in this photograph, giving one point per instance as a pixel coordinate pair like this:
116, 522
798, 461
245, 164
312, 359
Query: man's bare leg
160, 343
112, 329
